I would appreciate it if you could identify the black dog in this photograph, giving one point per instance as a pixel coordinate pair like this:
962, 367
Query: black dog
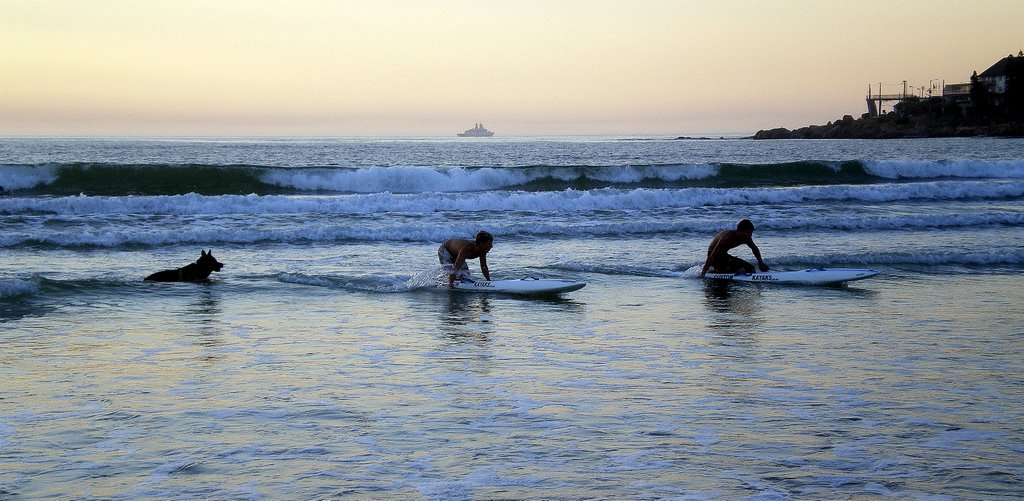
195, 272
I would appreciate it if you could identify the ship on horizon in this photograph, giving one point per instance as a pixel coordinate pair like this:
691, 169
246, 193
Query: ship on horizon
478, 130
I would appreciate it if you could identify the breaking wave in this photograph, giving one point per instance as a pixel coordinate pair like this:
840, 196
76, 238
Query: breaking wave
176, 179
567, 200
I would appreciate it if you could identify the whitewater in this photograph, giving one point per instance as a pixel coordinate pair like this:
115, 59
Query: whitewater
322, 361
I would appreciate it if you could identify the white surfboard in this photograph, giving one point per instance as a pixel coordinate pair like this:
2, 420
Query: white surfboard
811, 276
518, 286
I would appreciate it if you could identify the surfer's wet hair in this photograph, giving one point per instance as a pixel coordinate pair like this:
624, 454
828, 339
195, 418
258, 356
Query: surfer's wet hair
484, 237
745, 225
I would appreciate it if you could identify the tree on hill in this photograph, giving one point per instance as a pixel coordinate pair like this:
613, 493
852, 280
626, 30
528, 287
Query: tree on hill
981, 101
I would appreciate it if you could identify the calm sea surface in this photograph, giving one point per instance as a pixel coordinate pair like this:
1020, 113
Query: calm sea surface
322, 362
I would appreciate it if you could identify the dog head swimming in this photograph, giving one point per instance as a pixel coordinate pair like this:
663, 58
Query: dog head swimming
207, 261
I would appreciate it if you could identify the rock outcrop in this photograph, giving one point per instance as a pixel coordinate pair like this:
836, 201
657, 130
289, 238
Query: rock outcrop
897, 125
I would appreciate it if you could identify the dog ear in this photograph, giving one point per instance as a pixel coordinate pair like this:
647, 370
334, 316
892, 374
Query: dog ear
202, 253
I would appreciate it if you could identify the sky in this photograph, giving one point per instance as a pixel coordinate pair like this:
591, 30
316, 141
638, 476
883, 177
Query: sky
434, 68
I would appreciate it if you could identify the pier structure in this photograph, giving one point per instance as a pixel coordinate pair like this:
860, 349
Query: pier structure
875, 101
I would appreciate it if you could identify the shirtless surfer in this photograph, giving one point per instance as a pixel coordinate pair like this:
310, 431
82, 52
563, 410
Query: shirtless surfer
719, 258
454, 252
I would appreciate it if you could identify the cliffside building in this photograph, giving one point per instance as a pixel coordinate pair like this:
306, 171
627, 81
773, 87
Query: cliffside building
996, 77
996, 80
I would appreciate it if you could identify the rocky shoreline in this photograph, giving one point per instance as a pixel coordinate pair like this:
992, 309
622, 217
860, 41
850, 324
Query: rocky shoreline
891, 126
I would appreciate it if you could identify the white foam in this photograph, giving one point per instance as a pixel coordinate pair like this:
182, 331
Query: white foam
16, 287
17, 177
293, 278
461, 179
416, 179
1008, 169
554, 201
395, 179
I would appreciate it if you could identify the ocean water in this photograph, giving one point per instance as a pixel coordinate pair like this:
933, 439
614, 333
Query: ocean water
322, 362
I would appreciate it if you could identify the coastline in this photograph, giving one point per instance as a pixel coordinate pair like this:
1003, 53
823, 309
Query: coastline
887, 127
893, 126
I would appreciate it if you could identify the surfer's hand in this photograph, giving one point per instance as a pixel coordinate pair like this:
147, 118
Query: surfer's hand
764, 267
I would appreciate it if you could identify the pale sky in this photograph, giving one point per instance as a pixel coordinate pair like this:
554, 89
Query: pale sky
406, 68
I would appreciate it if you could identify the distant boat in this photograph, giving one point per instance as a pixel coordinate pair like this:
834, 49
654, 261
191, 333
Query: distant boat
477, 131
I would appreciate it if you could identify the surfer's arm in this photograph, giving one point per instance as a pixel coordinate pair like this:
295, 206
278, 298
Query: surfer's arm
757, 254
456, 266
483, 267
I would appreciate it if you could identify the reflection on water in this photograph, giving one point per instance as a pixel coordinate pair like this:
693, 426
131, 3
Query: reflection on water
735, 308
564, 304
467, 317
204, 309
204, 313
471, 315
466, 328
